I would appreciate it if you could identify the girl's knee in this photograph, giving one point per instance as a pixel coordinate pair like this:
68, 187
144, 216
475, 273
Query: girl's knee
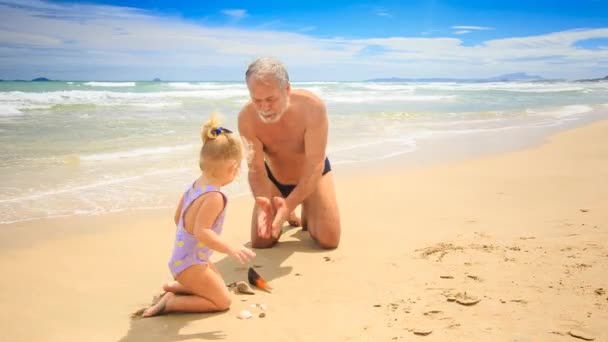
223, 303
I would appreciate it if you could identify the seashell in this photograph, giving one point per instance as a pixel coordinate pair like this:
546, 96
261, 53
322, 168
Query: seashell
245, 314
243, 287
257, 280
262, 315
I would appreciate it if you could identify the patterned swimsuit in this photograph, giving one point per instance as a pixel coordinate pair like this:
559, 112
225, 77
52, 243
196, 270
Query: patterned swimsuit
187, 250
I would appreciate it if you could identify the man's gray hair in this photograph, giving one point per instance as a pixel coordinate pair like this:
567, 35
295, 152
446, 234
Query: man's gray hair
267, 66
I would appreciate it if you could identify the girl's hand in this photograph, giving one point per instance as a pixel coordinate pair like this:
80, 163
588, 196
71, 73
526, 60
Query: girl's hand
242, 254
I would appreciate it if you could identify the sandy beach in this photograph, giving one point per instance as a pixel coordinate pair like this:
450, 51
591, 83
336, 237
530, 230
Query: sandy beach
510, 247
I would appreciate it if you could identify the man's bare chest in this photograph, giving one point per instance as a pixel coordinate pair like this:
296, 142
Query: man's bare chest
281, 141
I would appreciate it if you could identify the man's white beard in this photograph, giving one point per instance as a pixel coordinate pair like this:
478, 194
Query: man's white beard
270, 117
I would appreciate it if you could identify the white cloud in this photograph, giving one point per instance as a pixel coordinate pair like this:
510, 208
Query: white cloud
236, 14
104, 42
382, 13
462, 32
471, 28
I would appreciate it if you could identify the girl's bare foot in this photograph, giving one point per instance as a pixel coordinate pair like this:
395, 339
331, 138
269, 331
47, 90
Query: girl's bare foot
159, 307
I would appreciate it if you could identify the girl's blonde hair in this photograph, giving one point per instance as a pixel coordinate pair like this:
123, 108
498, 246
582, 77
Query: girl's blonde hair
219, 145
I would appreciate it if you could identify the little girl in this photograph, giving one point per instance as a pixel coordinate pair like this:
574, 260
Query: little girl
198, 286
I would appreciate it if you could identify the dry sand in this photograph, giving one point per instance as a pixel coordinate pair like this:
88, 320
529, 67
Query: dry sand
525, 233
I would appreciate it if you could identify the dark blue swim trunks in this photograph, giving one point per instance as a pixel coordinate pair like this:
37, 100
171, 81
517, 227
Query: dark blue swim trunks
286, 189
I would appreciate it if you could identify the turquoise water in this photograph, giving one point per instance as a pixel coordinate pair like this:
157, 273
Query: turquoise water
81, 148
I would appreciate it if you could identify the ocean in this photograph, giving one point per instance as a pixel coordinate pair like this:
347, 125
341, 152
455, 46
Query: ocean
87, 148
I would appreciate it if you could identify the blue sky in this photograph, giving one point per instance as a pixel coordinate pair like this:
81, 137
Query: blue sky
317, 40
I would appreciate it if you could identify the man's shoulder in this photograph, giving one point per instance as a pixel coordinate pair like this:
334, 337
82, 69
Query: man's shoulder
307, 98
246, 111
305, 94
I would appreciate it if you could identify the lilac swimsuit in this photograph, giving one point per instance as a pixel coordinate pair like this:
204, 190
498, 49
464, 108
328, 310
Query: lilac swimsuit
188, 250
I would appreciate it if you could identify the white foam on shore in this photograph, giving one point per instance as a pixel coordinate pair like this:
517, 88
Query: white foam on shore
140, 152
561, 112
387, 86
156, 105
205, 85
92, 185
18, 100
9, 110
375, 98
522, 87
110, 84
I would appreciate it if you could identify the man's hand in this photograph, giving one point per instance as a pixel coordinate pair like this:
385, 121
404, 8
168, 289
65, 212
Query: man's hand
281, 215
264, 217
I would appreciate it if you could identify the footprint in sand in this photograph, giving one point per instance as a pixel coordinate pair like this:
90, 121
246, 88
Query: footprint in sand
474, 277
580, 334
422, 331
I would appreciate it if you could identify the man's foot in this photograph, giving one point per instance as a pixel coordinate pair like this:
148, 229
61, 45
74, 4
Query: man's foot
159, 307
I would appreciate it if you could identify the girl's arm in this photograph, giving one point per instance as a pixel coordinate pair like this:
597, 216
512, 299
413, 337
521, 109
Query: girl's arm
178, 211
210, 209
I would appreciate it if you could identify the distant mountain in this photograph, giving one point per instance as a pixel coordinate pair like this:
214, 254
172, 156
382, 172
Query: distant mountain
519, 76
156, 80
40, 79
593, 79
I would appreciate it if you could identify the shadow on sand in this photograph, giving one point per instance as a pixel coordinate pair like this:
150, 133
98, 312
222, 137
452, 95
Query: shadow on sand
268, 263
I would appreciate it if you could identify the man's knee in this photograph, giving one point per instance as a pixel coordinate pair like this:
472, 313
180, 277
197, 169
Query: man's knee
260, 243
328, 239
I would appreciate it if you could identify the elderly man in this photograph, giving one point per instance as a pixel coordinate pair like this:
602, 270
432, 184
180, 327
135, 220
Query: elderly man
286, 129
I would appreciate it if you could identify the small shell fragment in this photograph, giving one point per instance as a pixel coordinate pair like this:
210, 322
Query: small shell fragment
262, 315
245, 314
243, 287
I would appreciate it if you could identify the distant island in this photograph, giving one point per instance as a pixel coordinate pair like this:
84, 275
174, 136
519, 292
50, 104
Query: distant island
156, 80
38, 79
593, 79
519, 76
41, 79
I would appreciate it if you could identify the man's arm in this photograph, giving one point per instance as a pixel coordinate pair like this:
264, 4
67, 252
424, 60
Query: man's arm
315, 142
258, 180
